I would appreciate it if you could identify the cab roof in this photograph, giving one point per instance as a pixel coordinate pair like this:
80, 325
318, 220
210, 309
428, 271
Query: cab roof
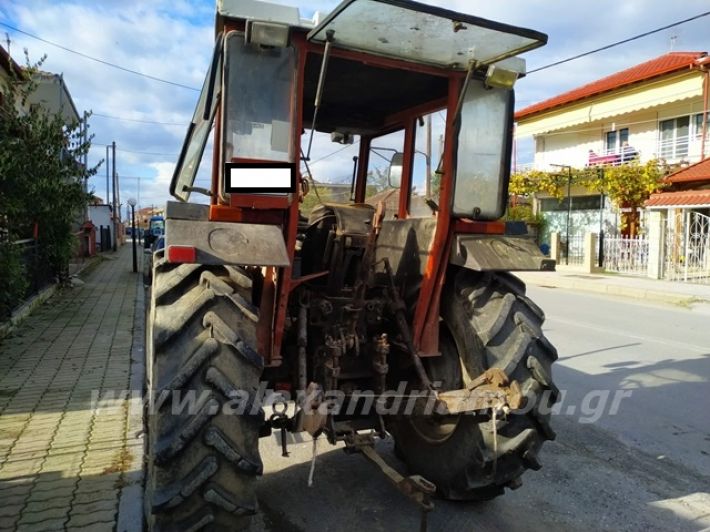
400, 29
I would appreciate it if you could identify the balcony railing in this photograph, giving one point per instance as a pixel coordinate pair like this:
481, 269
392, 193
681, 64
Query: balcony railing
677, 148
525, 167
612, 157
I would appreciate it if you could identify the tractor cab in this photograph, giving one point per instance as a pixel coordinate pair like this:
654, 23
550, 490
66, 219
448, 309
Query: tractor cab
367, 75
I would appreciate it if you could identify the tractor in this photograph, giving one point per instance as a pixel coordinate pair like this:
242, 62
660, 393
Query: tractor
156, 228
378, 305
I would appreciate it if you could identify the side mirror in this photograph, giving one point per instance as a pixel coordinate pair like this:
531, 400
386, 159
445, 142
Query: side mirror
394, 173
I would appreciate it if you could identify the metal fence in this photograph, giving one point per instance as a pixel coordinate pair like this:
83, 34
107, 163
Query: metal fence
572, 250
37, 271
624, 254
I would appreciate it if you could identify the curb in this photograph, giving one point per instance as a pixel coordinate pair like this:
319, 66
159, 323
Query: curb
89, 265
130, 506
26, 309
613, 290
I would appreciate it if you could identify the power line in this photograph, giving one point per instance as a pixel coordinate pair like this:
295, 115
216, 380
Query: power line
334, 152
148, 152
608, 46
125, 119
102, 61
118, 148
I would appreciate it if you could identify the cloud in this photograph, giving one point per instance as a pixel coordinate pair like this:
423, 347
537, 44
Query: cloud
173, 39
164, 39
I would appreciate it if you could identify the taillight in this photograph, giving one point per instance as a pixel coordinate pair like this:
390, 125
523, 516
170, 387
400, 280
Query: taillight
182, 254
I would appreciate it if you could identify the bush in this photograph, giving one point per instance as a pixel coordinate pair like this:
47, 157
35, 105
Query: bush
41, 185
13, 281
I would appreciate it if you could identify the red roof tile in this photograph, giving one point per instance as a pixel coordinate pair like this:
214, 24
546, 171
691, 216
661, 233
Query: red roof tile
686, 197
695, 172
665, 64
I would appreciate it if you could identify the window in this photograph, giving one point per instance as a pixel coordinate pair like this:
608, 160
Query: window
615, 140
423, 189
579, 203
258, 81
698, 125
383, 185
673, 142
199, 129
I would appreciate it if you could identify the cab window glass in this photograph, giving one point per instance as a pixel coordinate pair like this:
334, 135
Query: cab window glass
383, 178
429, 147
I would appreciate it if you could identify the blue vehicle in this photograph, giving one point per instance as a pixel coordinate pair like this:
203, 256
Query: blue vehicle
153, 240
156, 228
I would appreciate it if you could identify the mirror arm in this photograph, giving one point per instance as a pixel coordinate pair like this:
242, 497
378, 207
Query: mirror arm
352, 183
199, 190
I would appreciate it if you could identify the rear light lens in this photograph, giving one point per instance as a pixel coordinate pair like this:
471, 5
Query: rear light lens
182, 254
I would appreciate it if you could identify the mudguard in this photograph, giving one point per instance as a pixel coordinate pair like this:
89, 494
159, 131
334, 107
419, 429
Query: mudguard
498, 253
234, 243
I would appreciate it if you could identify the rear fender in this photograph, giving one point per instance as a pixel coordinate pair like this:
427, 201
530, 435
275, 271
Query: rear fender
498, 253
244, 244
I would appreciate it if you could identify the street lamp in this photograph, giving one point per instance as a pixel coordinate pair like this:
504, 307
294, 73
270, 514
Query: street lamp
132, 203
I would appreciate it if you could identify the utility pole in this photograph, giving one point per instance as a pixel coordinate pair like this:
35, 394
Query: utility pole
427, 189
569, 205
86, 162
107, 179
115, 202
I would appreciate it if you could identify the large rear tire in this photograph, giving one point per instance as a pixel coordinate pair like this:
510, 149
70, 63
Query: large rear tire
202, 371
487, 321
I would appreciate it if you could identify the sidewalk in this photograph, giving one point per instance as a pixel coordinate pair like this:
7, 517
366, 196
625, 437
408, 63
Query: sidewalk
64, 466
686, 294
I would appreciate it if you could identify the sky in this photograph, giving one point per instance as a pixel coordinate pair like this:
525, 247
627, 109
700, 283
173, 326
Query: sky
173, 40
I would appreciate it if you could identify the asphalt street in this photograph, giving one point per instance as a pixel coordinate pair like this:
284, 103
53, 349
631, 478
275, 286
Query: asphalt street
632, 452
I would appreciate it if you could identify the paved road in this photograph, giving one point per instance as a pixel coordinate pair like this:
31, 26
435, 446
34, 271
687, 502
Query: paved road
645, 468
660, 354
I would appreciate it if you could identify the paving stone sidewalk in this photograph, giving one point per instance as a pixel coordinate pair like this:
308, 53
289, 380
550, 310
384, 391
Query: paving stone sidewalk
64, 464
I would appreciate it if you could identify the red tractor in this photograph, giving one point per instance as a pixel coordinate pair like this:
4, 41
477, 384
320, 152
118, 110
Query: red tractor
395, 279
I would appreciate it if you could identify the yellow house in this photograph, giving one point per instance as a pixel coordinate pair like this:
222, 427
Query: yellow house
657, 109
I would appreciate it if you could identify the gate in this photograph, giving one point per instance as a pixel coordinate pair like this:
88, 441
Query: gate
687, 248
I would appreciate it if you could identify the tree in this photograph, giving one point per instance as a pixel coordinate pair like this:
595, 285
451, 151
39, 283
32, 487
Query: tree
550, 183
377, 181
628, 185
41, 184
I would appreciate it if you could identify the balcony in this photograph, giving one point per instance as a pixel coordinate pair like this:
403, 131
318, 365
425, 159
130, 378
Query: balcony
612, 157
676, 148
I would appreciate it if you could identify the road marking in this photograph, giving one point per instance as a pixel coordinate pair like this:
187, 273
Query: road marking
655, 339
